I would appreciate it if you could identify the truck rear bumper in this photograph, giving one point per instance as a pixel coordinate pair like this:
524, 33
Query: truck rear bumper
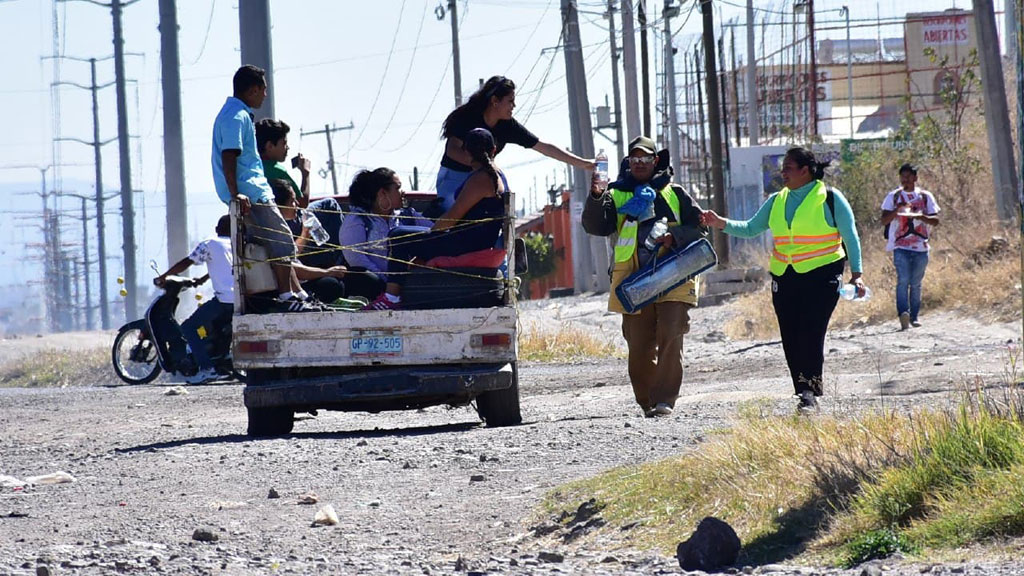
395, 389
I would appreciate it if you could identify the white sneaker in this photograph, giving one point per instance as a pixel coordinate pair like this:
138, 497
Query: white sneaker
662, 409
202, 376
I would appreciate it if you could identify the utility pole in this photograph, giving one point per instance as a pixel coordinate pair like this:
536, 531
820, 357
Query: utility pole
700, 120
735, 84
615, 78
997, 117
590, 255
753, 125
667, 13
174, 152
629, 68
327, 131
845, 11
100, 198
456, 62
813, 96
257, 48
715, 125
645, 78
127, 211
85, 260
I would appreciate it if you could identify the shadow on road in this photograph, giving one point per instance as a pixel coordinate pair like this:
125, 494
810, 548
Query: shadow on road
345, 435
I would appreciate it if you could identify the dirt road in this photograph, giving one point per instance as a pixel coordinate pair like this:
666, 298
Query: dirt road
427, 492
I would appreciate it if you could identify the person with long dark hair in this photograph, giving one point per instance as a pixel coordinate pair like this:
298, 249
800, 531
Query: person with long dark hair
813, 232
474, 221
490, 108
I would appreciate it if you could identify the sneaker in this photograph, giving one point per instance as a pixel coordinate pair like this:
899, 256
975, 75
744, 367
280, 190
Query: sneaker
382, 303
662, 409
915, 323
293, 304
807, 401
904, 320
315, 303
202, 376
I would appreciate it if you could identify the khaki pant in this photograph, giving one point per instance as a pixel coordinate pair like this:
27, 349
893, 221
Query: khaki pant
655, 341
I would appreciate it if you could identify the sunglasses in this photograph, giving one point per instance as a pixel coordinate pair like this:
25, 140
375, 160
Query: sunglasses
641, 160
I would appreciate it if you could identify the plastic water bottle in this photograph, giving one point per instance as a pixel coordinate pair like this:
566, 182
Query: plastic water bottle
657, 231
849, 292
316, 229
602, 167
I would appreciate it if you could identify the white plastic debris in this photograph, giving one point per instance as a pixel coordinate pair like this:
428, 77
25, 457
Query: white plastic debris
176, 391
10, 481
326, 516
54, 478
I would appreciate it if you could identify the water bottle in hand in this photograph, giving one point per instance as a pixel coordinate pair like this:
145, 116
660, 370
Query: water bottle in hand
849, 292
316, 229
601, 173
659, 229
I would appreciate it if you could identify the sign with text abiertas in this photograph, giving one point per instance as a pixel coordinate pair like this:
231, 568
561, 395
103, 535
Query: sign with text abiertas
945, 30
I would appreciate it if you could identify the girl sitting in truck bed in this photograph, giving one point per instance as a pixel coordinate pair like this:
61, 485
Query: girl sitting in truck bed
474, 222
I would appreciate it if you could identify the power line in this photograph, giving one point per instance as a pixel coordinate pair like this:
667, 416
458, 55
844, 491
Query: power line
383, 77
405, 82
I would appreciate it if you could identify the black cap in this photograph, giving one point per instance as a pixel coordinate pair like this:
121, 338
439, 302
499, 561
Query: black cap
478, 139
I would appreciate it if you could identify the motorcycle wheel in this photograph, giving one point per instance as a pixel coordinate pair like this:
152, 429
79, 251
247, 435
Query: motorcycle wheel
134, 354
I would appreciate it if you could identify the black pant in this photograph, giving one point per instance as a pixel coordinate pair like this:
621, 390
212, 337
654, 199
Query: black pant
803, 305
357, 282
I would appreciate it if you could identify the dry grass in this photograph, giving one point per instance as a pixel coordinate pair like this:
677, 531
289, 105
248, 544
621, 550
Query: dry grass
958, 278
834, 489
58, 368
568, 342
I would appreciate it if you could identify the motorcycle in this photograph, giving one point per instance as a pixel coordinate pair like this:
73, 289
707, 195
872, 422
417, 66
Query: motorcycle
145, 347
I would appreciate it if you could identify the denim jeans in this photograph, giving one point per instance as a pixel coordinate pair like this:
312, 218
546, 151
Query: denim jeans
910, 267
448, 183
211, 315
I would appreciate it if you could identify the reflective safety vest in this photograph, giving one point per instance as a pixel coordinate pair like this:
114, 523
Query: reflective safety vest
809, 242
625, 247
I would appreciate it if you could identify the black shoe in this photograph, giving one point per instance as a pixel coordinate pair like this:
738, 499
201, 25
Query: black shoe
293, 304
315, 302
807, 402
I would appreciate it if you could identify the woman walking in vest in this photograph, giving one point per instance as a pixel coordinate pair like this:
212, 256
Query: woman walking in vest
813, 235
631, 205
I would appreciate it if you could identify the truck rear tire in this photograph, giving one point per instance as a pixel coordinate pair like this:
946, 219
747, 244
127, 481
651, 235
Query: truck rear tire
270, 421
501, 407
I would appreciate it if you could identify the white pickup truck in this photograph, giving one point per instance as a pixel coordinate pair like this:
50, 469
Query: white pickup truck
376, 360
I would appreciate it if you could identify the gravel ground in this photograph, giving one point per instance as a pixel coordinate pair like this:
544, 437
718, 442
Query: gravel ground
171, 485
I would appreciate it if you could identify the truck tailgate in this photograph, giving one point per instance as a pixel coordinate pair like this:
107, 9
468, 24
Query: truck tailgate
397, 337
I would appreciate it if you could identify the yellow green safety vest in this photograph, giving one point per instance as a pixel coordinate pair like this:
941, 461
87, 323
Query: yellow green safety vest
809, 242
625, 247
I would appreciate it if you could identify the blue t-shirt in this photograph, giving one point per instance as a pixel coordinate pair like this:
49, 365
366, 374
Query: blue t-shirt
234, 130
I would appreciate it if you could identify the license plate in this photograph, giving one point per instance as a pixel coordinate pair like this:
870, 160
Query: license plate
382, 345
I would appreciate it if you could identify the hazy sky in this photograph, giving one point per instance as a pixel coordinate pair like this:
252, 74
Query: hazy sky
384, 65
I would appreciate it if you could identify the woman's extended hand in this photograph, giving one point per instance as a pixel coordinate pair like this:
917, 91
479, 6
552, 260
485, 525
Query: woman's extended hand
711, 220
596, 188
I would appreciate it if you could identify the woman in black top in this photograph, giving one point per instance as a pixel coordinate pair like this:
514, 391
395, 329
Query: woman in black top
491, 108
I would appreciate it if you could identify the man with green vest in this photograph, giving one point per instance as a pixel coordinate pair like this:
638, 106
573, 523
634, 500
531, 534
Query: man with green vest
629, 208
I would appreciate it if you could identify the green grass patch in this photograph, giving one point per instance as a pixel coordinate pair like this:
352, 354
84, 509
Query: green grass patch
840, 490
57, 368
568, 342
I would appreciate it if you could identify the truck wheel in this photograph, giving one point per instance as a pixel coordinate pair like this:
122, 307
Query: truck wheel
270, 421
501, 407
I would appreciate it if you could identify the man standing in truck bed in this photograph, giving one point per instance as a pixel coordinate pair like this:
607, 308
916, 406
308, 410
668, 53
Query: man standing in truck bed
238, 176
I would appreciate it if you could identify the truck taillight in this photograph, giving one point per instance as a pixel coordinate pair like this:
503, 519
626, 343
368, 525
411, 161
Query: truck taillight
488, 340
257, 347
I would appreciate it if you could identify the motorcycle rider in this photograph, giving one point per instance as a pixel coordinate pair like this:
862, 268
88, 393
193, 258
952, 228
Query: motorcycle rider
215, 252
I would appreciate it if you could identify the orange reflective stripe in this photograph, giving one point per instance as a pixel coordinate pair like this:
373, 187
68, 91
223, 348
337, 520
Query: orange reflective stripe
808, 239
790, 258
